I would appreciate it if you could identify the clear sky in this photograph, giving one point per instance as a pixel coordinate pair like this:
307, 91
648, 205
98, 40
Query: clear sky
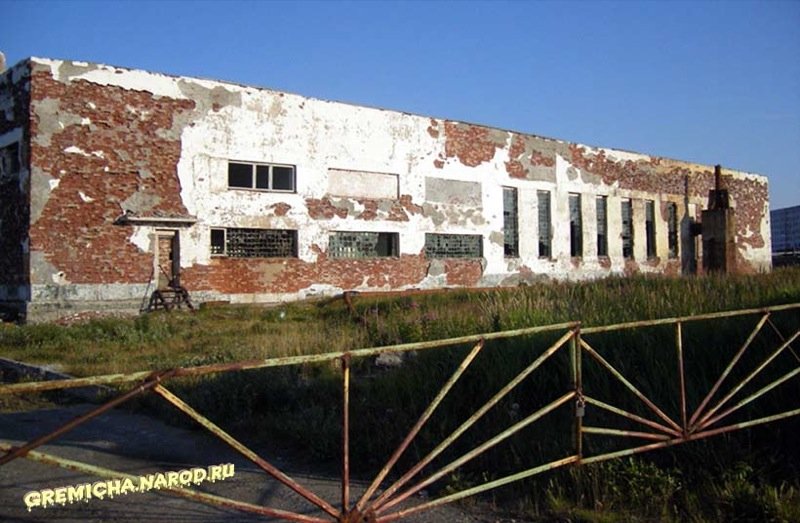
708, 82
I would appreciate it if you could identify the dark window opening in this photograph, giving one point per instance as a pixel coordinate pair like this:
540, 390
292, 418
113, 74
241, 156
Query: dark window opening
217, 241
363, 244
254, 243
453, 245
627, 229
602, 226
9, 159
672, 229
575, 226
282, 178
263, 177
650, 227
240, 175
510, 223
543, 198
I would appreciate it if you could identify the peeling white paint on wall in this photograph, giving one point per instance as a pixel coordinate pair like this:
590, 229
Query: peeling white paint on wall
354, 160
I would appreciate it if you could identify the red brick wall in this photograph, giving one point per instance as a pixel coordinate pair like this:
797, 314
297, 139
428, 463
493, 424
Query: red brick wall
129, 128
260, 275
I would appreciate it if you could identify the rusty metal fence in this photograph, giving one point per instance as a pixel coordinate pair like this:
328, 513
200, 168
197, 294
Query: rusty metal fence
383, 500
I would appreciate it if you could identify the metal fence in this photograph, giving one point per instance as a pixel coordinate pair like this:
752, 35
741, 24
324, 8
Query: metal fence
385, 501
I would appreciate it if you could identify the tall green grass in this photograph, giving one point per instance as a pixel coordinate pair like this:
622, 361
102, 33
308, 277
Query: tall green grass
301, 405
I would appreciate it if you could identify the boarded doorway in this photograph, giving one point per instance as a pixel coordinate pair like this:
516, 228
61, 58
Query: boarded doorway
168, 259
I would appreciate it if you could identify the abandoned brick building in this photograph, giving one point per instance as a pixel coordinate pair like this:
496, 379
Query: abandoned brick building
115, 181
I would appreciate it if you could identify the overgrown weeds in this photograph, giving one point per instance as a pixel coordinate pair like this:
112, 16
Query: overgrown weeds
301, 405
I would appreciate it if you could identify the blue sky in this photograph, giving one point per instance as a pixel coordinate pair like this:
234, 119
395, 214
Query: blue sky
709, 82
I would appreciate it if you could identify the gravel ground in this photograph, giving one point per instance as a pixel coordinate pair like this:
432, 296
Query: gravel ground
139, 444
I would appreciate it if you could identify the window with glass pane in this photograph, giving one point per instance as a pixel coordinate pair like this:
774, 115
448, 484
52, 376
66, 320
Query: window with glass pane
543, 200
602, 226
627, 229
510, 223
650, 227
575, 226
672, 229
261, 176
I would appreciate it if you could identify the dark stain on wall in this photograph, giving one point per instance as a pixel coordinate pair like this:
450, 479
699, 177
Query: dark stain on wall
14, 206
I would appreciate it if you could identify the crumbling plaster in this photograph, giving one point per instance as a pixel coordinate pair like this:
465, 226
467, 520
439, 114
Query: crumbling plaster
161, 144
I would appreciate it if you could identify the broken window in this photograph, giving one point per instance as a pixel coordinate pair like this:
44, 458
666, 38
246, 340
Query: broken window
627, 229
9, 160
510, 224
602, 226
217, 241
363, 244
254, 243
453, 245
650, 227
261, 176
543, 198
672, 229
575, 226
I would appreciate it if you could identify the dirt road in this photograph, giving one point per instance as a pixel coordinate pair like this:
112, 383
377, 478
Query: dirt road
139, 445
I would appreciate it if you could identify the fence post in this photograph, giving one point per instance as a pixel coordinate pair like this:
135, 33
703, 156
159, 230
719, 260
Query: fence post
345, 433
681, 376
577, 379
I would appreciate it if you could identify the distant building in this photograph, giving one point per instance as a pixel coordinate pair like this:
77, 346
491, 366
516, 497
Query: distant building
785, 235
114, 182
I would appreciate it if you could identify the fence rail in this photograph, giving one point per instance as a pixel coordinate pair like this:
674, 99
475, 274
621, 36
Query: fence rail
655, 425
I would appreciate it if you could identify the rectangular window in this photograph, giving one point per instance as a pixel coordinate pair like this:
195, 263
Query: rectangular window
453, 245
627, 229
510, 224
650, 227
672, 229
217, 241
575, 226
9, 160
602, 226
254, 243
261, 176
363, 244
543, 198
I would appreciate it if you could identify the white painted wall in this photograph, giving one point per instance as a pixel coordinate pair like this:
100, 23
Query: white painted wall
325, 139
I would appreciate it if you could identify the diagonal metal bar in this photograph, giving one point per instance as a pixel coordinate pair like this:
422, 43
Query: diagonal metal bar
681, 376
745, 381
631, 416
728, 369
478, 451
691, 437
629, 385
471, 421
745, 424
782, 338
41, 440
750, 398
208, 499
345, 434
245, 451
625, 433
420, 423
478, 489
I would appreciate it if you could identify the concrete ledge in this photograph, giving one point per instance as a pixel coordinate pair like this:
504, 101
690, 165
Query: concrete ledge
41, 312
